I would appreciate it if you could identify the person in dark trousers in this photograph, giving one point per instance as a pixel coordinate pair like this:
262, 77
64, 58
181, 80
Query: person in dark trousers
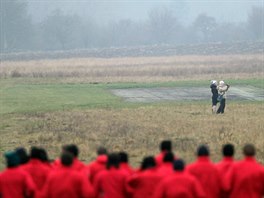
222, 89
214, 91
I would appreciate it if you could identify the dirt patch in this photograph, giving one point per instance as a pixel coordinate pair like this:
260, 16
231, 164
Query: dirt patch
186, 93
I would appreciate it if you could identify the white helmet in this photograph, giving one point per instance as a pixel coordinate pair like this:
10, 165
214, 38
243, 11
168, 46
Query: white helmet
221, 83
213, 82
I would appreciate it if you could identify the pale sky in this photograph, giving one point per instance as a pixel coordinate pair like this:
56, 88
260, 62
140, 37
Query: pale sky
111, 10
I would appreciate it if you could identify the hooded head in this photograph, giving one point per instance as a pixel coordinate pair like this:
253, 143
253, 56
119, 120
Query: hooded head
213, 82
113, 160
148, 162
203, 151
165, 145
178, 165
221, 83
12, 159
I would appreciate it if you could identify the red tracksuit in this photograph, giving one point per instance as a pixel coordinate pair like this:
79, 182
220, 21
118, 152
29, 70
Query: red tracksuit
96, 166
110, 183
67, 183
142, 184
223, 167
245, 179
38, 171
165, 169
159, 158
179, 185
16, 183
208, 176
126, 168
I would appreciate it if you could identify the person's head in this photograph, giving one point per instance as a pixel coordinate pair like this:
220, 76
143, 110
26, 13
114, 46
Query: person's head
203, 150
123, 156
66, 159
101, 151
35, 153
12, 159
228, 150
148, 162
178, 165
165, 145
44, 156
213, 82
71, 148
112, 161
168, 157
22, 154
221, 83
249, 150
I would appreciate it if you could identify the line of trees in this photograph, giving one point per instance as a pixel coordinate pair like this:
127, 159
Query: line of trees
60, 31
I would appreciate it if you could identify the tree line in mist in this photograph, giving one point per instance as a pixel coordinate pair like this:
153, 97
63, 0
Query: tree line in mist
60, 31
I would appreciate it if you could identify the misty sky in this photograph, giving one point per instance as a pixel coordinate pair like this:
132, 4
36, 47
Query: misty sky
112, 10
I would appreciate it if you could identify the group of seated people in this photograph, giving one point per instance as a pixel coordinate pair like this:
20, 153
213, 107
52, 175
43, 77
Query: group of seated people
110, 175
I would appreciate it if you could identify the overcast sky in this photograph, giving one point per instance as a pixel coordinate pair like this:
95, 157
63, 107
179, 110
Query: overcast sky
112, 10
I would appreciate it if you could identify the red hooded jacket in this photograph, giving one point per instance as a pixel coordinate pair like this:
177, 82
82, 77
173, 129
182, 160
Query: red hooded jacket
223, 167
96, 166
179, 185
245, 179
208, 176
143, 183
16, 183
165, 169
38, 171
110, 183
67, 183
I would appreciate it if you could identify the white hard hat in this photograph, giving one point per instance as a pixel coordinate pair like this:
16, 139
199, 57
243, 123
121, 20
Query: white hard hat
213, 82
221, 82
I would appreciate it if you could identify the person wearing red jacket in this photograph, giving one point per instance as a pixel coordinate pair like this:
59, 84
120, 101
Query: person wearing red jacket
179, 185
124, 165
225, 165
165, 146
245, 178
77, 164
143, 182
14, 181
97, 165
206, 173
65, 182
110, 183
166, 168
36, 168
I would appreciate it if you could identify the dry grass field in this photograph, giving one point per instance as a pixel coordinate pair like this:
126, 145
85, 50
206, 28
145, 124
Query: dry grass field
137, 129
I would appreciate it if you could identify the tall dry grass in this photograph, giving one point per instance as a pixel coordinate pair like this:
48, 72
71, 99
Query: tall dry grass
139, 130
139, 69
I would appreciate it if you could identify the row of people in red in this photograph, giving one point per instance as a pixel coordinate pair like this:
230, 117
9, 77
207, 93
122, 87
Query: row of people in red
110, 175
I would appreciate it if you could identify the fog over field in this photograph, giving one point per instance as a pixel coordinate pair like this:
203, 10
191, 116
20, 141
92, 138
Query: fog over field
65, 25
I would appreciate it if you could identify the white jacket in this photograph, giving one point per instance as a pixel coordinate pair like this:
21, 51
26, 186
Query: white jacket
222, 89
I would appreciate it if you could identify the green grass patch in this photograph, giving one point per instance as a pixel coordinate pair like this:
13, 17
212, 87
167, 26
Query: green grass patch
21, 97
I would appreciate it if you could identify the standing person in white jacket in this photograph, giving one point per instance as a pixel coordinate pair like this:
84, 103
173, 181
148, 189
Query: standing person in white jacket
222, 89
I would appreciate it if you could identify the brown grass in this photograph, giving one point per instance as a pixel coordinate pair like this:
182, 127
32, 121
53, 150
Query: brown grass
138, 69
139, 130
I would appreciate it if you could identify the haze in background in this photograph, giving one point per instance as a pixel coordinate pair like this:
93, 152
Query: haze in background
63, 25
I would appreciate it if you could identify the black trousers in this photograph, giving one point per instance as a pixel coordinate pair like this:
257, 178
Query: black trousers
221, 108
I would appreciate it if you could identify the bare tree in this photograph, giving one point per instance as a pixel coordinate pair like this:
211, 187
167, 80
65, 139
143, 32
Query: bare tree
256, 23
